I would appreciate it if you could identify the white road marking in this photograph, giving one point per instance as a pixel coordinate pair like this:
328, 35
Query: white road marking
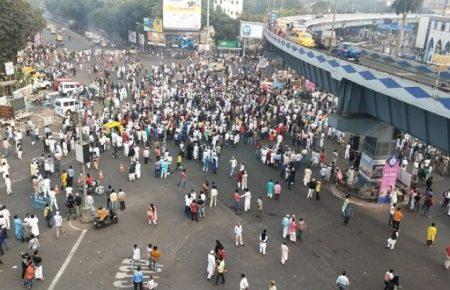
74, 227
121, 275
125, 284
125, 275
128, 268
67, 261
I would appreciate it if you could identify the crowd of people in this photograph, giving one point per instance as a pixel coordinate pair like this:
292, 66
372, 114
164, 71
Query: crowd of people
200, 112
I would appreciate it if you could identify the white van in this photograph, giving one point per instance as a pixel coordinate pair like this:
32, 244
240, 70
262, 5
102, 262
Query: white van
69, 87
65, 105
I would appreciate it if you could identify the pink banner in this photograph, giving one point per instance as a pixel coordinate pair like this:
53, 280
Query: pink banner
310, 86
389, 177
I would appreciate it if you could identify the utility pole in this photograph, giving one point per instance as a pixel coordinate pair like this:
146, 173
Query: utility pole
445, 7
268, 7
207, 25
333, 23
86, 214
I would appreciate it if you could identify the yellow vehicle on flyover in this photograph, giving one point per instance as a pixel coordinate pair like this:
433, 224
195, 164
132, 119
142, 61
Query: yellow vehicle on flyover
302, 38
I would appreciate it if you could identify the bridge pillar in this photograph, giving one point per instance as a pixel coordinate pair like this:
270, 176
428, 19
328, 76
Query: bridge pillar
375, 152
378, 144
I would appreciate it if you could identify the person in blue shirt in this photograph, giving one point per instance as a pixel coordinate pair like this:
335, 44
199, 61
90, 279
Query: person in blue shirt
138, 278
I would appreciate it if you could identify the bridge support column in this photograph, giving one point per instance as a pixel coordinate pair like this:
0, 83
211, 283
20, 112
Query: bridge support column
375, 152
378, 144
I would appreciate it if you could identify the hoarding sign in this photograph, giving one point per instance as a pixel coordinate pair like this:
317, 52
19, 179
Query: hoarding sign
228, 44
441, 60
157, 25
141, 39
390, 172
252, 30
156, 38
23, 92
182, 14
148, 23
9, 68
132, 36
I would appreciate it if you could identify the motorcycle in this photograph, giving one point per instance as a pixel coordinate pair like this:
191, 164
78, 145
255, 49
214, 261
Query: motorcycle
95, 187
111, 218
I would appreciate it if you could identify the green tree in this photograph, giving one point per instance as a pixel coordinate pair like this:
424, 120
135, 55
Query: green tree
18, 22
226, 28
404, 7
77, 10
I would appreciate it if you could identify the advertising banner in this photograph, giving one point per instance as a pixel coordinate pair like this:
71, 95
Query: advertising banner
252, 30
228, 44
9, 68
182, 14
141, 39
390, 172
23, 92
148, 22
132, 36
157, 25
156, 38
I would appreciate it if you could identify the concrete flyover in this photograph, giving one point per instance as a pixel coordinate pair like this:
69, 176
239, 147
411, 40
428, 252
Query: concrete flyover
402, 103
347, 20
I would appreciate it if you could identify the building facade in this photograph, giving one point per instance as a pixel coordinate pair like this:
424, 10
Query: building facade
437, 6
433, 36
232, 8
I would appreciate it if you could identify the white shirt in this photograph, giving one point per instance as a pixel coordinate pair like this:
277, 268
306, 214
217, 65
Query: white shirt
214, 192
244, 284
58, 220
342, 280
136, 254
238, 229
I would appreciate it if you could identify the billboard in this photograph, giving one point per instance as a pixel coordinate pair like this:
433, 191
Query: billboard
251, 30
182, 14
157, 25
187, 42
141, 39
389, 177
153, 25
156, 38
228, 44
9, 68
132, 36
148, 22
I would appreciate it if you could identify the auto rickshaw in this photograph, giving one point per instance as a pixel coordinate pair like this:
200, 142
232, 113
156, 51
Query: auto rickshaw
107, 127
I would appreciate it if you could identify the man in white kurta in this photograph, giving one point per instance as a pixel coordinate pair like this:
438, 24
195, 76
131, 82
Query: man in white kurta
247, 200
284, 253
211, 265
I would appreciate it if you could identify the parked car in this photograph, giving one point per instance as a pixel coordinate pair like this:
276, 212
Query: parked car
348, 50
70, 87
64, 106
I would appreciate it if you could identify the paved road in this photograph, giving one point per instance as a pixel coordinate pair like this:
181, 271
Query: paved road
314, 263
99, 261
394, 70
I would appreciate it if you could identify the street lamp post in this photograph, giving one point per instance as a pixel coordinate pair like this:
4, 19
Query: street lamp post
436, 84
333, 23
207, 25
86, 216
